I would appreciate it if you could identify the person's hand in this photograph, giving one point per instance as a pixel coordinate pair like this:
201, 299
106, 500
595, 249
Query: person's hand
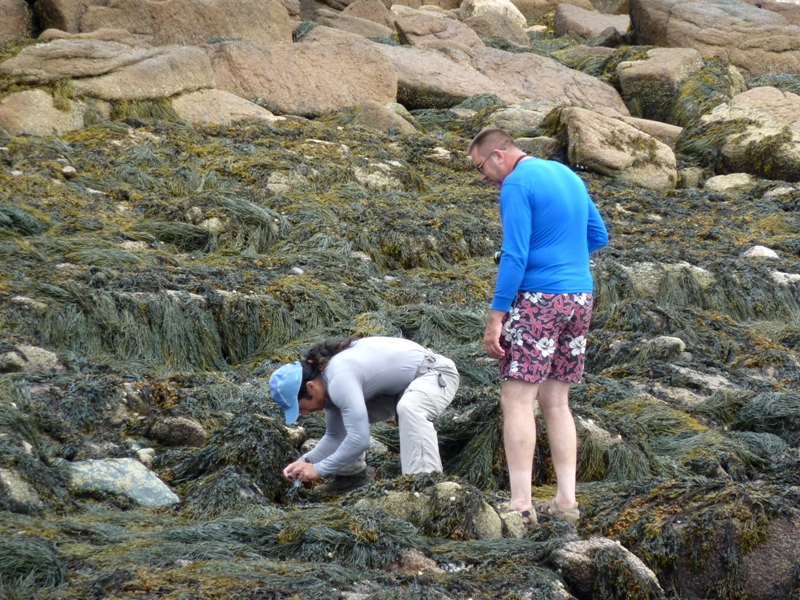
301, 470
494, 329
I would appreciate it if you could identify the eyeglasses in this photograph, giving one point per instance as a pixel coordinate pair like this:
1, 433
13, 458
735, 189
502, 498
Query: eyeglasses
483, 162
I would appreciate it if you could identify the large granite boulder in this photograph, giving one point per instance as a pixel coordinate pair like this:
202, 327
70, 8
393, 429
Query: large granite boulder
581, 24
757, 133
16, 21
72, 59
64, 14
221, 108
372, 10
473, 8
423, 29
174, 70
194, 21
308, 79
789, 9
580, 563
655, 82
425, 509
444, 75
497, 25
353, 24
23, 357
531, 9
614, 148
33, 112
755, 40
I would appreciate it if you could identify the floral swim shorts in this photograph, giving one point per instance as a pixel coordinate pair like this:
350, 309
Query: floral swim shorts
544, 336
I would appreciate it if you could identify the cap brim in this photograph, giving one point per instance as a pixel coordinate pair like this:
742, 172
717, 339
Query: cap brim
292, 412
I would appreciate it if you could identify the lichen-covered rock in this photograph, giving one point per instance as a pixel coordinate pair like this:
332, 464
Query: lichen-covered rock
614, 148
445, 507
595, 564
756, 133
124, 476
30, 359
654, 82
178, 431
19, 490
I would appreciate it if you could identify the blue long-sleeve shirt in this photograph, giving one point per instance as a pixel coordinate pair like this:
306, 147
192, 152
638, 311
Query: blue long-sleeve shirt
550, 226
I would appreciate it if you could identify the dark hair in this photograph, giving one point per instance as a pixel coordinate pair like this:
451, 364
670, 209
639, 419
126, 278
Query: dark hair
316, 358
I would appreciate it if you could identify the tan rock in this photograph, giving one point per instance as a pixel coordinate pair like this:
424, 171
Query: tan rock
372, 10
307, 79
754, 40
762, 133
122, 36
174, 70
178, 431
194, 21
222, 108
663, 132
422, 29
440, 77
357, 25
616, 149
497, 25
581, 24
30, 359
474, 8
789, 9
532, 9
71, 58
375, 115
656, 81
32, 112
64, 14
16, 21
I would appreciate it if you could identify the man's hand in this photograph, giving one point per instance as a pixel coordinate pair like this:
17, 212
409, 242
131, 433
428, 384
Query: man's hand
301, 470
494, 329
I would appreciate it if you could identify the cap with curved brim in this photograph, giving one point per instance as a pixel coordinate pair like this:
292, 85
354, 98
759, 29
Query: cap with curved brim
284, 385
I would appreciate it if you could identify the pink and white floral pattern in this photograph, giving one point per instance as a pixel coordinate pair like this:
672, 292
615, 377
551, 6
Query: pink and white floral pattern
544, 336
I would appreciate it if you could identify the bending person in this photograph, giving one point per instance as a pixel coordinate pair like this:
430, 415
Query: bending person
358, 382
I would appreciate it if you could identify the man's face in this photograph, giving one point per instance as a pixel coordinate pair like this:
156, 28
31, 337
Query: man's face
488, 167
316, 397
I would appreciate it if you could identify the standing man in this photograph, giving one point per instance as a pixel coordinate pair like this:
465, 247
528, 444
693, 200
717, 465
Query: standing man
358, 382
541, 310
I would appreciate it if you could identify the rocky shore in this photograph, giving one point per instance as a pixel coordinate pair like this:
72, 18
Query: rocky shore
192, 191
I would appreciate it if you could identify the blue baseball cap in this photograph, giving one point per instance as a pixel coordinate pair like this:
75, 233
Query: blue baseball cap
284, 385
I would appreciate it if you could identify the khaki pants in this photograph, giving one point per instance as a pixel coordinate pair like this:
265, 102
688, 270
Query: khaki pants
423, 400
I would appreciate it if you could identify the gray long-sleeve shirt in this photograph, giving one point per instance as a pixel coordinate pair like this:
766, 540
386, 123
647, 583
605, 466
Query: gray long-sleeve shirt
364, 383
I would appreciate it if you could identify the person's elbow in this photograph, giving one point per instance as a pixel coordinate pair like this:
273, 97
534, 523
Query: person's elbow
599, 240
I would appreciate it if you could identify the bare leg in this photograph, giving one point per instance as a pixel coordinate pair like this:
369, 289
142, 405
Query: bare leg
519, 437
554, 403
